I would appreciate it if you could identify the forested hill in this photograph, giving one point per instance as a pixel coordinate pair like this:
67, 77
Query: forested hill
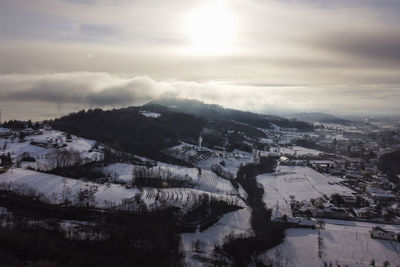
148, 129
217, 112
128, 130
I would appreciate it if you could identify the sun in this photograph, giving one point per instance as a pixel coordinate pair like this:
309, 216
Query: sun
211, 29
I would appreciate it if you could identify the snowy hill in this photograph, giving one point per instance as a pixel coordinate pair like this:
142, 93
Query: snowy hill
343, 242
45, 149
56, 190
303, 183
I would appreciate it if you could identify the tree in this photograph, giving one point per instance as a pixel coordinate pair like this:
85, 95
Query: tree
86, 196
66, 193
6, 160
22, 136
68, 137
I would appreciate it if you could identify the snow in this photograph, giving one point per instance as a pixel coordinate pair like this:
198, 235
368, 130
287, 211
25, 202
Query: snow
206, 181
266, 141
343, 242
235, 222
4, 130
299, 151
150, 114
43, 155
52, 187
121, 172
232, 160
302, 182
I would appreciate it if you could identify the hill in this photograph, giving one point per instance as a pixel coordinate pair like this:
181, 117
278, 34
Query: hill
148, 129
320, 117
217, 112
129, 130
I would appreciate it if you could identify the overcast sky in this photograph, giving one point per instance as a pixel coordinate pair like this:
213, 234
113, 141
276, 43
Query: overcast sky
272, 56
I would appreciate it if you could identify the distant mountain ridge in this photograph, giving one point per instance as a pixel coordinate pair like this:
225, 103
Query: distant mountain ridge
149, 129
320, 117
217, 112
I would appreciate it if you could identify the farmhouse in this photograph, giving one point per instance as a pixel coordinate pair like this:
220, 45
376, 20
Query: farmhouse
384, 198
323, 165
380, 233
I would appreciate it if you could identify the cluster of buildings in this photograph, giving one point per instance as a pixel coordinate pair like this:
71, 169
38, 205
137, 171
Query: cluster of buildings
353, 154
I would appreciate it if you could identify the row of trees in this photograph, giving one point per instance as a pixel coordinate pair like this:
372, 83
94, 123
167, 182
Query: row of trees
159, 177
123, 239
243, 250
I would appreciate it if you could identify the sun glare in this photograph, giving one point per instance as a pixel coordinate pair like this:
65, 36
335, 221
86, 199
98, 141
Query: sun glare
211, 29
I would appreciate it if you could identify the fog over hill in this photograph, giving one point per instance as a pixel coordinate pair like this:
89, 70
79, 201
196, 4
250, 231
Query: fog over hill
320, 117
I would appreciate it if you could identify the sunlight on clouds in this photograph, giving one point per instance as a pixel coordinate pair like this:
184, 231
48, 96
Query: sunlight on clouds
211, 29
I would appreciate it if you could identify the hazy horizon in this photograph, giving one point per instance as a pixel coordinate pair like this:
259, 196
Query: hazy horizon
274, 56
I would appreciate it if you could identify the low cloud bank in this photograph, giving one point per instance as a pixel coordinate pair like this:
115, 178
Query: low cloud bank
99, 89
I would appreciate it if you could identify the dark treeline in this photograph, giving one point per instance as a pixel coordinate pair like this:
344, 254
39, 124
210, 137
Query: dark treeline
20, 125
389, 163
128, 130
267, 234
132, 239
206, 214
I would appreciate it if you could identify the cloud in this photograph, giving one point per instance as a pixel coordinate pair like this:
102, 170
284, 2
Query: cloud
100, 89
106, 90
337, 56
377, 47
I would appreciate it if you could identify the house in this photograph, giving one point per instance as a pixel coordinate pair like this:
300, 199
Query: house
366, 212
357, 163
334, 213
380, 233
349, 201
384, 198
323, 165
284, 160
353, 177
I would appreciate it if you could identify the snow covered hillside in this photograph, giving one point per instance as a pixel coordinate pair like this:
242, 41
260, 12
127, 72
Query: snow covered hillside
45, 149
302, 182
204, 180
345, 243
56, 189
206, 158
203, 243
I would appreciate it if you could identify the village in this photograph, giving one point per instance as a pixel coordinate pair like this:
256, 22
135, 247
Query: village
323, 177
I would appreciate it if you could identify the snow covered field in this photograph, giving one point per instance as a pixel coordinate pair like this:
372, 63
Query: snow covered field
302, 182
232, 160
235, 222
343, 242
205, 181
55, 188
44, 158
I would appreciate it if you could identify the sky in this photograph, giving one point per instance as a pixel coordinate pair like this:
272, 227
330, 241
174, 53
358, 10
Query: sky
269, 56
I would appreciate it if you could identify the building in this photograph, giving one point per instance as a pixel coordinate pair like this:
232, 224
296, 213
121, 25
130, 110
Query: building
384, 198
380, 233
